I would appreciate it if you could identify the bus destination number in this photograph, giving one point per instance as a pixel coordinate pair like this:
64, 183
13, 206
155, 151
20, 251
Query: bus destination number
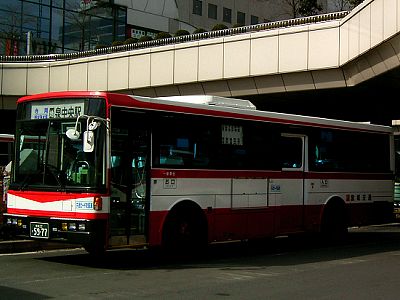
39, 230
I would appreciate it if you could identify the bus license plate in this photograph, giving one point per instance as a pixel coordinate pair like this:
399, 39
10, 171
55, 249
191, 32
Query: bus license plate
39, 230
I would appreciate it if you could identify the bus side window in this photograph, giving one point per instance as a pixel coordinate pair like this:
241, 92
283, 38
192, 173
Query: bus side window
291, 152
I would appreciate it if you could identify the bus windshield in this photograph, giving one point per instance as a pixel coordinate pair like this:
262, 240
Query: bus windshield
46, 157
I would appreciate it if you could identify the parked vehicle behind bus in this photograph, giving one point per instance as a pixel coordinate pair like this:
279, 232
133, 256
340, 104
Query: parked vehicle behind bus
6, 152
111, 170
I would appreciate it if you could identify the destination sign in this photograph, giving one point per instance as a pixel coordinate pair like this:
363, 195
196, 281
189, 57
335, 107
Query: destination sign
55, 110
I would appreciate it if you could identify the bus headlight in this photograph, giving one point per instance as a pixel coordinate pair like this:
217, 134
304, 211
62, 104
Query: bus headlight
81, 227
64, 226
72, 226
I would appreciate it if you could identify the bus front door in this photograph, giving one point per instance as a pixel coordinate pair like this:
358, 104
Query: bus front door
129, 176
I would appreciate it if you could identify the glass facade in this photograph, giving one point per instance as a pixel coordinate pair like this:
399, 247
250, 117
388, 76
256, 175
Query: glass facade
59, 26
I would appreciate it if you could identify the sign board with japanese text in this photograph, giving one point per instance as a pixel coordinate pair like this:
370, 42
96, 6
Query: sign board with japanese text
57, 110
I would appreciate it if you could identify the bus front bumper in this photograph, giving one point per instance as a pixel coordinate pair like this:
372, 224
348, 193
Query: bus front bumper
63, 230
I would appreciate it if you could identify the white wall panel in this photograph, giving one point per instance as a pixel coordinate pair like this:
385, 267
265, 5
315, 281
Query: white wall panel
376, 22
97, 75
365, 29
78, 75
344, 43
139, 69
264, 53
162, 66
58, 77
186, 63
390, 18
323, 48
293, 50
14, 79
398, 15
237, 56
37, 78
211, 59
118, 69
354, 36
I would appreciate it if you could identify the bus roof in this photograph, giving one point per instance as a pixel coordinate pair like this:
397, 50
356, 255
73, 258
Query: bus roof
5, 137
215, 106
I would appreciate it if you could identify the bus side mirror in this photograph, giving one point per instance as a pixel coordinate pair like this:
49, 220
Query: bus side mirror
73, 134
88, 141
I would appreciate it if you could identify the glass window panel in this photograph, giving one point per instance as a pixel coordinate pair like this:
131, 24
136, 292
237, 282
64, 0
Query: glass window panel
120, 32
121, 14
57, 26
254, 20
45, 25
73, 5
102, 31
31, 23
10, 18
58, 3
31, 9
197, 7
47, 2
9, 30
212, 11
11, 6
227, 15
105, 12
241, 18
44, 12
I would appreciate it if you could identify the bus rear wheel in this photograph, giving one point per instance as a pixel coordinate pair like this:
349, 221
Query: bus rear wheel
334, 223
185, 231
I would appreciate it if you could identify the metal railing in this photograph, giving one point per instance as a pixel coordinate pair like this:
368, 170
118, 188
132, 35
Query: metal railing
177, 40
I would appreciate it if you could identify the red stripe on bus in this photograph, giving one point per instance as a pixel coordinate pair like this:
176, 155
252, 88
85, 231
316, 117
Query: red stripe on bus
56, 214
44, 197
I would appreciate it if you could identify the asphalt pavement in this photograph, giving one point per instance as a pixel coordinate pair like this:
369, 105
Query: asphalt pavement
17, 245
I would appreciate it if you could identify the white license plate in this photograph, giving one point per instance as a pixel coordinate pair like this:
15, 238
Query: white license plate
39, 230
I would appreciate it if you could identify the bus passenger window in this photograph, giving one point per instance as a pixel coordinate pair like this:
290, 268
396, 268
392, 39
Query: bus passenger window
291, 152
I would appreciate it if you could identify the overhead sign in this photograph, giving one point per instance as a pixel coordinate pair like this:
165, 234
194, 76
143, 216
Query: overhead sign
57, 110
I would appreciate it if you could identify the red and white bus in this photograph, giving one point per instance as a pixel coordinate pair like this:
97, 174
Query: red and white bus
112, 170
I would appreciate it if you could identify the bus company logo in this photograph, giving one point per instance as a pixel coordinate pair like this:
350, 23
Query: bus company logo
275, 187
84, 205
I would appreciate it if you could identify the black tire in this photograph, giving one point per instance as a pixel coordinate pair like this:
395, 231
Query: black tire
96, 243
185, 232
334, 227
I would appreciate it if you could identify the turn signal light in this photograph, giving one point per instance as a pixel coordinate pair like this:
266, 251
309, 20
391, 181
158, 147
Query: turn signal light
98, 203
